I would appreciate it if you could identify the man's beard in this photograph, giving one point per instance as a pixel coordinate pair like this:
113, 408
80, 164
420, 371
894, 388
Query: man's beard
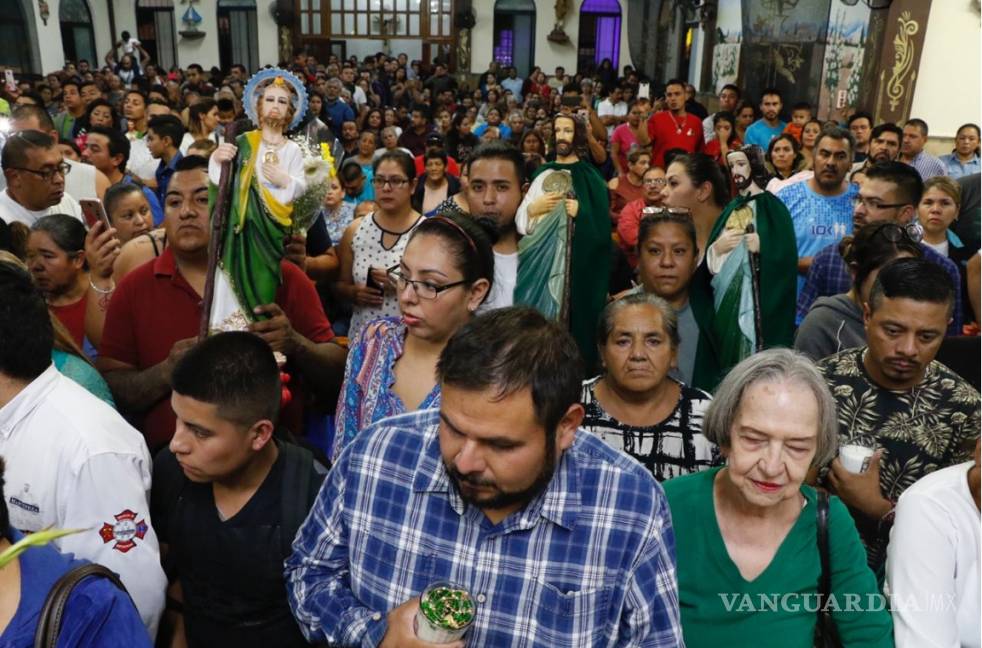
276, 123
504, 226
741, 182
503, 499
827, 182
564, 148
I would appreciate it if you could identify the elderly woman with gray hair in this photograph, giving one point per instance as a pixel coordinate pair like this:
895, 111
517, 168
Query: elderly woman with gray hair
747, 533
634, 405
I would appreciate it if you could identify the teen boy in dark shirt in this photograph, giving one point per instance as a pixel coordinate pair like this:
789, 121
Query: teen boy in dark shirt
228, 498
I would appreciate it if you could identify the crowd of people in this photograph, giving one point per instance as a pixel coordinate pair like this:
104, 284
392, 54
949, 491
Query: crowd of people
609, 367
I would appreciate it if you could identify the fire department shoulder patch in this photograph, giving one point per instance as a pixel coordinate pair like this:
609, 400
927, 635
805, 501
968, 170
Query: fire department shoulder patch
126, 530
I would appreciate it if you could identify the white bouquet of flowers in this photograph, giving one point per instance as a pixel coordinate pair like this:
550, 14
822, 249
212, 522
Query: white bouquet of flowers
318, 168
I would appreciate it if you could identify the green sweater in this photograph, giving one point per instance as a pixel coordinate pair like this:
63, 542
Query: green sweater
779, 607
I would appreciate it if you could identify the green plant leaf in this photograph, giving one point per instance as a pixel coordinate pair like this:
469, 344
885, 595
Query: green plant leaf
38, 539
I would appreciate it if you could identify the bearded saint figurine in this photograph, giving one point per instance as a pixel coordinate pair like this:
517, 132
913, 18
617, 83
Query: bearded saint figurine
746, 289
556, 275
268, 176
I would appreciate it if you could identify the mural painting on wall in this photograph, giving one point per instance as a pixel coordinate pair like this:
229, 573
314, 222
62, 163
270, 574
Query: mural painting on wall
726, 52
782, 47
843, 62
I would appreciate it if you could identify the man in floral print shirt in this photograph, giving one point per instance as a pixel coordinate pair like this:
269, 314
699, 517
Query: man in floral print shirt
894, 396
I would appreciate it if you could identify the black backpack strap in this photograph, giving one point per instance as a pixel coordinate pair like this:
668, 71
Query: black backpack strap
49, 624
298, 476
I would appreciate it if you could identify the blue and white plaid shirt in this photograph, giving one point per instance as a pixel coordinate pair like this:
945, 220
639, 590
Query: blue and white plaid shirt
828, 275
589, 562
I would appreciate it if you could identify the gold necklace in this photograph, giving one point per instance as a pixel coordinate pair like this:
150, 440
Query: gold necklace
270, 156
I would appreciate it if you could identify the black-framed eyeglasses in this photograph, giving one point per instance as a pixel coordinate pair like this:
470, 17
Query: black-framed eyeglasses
395, 183
423, 289
894, 232
48, 174
874, 203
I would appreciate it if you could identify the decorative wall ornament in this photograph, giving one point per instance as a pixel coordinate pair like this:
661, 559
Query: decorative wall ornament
903, 51
900, 57
557, 35
191, 19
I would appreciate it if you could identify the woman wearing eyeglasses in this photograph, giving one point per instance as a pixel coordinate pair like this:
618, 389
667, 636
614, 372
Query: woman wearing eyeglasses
377, 241
445, 273
836, 323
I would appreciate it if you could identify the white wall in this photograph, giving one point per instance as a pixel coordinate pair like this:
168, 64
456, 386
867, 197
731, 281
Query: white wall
49, 38
203, 51
100, 27
267, 33
948, 89
548, 55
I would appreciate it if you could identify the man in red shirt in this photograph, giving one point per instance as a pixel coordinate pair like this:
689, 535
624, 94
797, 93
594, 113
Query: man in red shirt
673, 128
155, 313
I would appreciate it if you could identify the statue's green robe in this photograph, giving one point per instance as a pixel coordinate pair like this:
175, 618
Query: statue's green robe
721, 345
591, 261
252, 243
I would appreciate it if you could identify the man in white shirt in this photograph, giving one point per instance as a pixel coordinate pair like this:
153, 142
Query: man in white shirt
729, 97
84, 181
35, 172
559, 79
933, 560
357, 94
495, 188
74, 462
612, 111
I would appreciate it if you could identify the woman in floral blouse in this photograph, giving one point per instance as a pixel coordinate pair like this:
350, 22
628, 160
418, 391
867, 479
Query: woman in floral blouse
444, 275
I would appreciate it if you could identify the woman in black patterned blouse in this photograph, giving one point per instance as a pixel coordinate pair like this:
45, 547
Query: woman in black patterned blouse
634, 405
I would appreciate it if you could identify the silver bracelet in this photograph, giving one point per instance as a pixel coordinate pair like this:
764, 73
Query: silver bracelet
100, 290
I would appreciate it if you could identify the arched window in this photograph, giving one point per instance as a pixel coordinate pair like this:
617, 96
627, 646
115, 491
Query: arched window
155, 30
600, 34
77, 38
514, 34
15, 48
238, 40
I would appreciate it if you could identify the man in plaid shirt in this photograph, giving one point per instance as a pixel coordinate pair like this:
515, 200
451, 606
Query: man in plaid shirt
559, 539
891, 193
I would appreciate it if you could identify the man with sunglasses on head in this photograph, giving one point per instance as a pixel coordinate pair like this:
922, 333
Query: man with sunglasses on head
890, 193
35, 172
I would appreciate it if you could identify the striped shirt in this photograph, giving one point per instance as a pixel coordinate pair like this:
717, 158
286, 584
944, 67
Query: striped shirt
590, 561
829, 275
928, 166
668, 448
